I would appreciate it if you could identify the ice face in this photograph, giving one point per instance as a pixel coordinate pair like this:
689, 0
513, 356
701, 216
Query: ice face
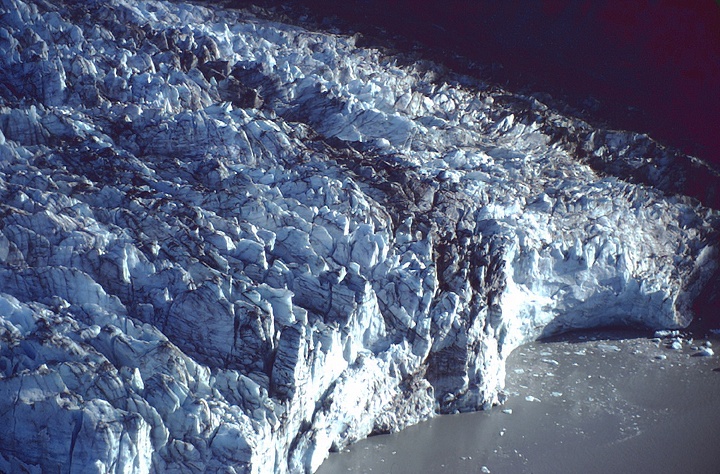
230, 243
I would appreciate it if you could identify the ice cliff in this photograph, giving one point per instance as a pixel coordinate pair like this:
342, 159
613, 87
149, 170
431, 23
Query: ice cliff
231, 245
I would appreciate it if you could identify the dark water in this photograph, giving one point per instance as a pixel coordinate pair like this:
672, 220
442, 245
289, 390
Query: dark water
594, 403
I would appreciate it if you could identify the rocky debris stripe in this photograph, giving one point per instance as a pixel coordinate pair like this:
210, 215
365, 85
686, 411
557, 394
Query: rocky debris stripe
229, 244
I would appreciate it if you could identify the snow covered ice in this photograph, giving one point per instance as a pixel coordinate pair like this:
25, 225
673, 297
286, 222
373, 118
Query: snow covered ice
229, 244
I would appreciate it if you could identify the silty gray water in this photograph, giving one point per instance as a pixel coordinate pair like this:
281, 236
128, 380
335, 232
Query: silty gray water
589, 402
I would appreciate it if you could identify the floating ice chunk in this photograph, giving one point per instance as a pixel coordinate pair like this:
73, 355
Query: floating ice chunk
704, 352
608, 347
675, 345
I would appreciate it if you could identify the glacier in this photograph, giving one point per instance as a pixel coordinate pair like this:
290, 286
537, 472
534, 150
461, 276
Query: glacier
232, 244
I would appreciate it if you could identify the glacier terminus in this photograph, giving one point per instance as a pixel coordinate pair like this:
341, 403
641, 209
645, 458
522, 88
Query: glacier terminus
232, 244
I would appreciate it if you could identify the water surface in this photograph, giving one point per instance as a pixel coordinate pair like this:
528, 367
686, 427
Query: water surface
591, 403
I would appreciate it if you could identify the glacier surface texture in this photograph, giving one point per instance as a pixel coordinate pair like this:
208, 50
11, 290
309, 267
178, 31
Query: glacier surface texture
229, 244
